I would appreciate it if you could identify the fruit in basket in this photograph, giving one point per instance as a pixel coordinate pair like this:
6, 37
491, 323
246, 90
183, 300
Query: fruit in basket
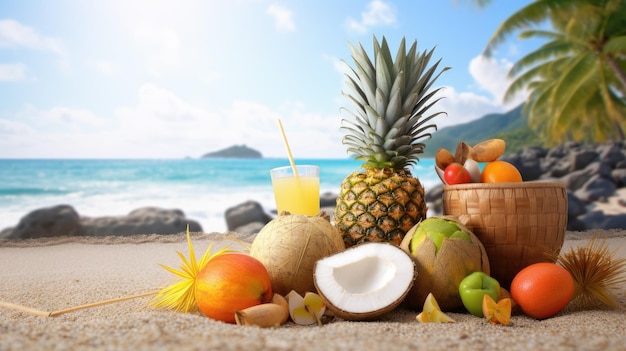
455, 173
485, 151
500, 172
474, 287
443, 158
388, 126
488, 150
445, 252
463, 152
474, 170
542, 289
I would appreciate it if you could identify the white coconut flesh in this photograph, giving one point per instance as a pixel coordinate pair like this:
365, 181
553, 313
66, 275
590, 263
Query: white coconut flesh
365, 278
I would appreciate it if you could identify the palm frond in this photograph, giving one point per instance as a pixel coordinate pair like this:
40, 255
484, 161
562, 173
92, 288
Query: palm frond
180, 296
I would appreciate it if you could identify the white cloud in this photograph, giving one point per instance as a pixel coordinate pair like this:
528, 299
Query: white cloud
283, 17
462, 107
162, 48
61, 118
14, 34
56, 132
162, 124
378, 13
104, 67
492, 76
171, 127
12, 72
10, 128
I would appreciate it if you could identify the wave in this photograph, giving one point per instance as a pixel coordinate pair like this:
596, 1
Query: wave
31, 191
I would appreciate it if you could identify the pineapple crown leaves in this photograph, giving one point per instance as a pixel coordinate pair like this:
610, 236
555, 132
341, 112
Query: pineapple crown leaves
391, 101
180, 296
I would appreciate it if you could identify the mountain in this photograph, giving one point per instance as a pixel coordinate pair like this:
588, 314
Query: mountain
235, 151
489, 126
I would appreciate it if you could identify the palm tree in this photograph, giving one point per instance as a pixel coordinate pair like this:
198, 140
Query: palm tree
577, 80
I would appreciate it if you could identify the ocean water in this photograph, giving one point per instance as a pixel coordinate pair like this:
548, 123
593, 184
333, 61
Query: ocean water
202, 188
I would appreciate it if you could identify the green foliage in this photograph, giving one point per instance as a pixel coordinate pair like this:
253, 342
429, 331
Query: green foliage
476, 131
577, 79
519, 139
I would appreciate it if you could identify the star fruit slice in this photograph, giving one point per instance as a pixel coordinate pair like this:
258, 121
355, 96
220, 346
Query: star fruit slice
497, 312
432, 313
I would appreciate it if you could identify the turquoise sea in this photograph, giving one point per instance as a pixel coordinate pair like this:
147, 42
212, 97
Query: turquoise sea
202, 188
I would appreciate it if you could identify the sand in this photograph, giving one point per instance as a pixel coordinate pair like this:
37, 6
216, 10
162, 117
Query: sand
55, 274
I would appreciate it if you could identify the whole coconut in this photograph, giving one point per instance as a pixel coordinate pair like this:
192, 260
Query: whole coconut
289, 246
440, 270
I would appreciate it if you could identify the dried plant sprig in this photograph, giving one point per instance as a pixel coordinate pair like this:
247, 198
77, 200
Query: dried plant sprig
180, 296
598, 275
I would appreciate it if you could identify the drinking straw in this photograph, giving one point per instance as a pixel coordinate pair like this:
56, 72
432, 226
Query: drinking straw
35, 312
293, 164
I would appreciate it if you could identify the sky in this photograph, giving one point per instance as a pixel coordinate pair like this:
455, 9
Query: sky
175, 79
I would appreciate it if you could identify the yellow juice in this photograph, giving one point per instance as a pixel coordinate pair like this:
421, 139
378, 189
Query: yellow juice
298, 195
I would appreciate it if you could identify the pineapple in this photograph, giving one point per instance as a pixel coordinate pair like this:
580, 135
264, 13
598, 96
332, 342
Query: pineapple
391, 99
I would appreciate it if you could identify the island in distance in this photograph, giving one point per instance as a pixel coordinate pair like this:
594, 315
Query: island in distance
235, 151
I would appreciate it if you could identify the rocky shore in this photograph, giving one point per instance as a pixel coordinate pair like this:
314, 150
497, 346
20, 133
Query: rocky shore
595, 175
64, 220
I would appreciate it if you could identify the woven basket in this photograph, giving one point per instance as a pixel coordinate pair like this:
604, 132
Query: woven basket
518, 223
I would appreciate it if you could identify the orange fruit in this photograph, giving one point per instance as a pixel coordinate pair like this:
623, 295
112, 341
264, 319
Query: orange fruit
500, 172
542, 289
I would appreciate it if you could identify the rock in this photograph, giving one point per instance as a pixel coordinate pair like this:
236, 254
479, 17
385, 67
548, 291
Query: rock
249, 230
598, 219
613, 154
576, 225
575, 207
576, 179
328, 199
560, 168
614, 222
596, 188
581, 158
146, 220
63, 220
434, 199
245, 213
592, 173
619, 177
60, 220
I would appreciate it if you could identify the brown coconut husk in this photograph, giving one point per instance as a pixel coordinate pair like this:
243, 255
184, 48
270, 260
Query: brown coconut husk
289, 246
442, 273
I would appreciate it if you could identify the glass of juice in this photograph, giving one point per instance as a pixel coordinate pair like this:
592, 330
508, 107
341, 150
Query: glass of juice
298, 195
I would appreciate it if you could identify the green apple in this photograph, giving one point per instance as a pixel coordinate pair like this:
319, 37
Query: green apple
474, 287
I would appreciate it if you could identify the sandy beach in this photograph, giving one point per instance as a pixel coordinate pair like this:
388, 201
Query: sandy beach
60, 273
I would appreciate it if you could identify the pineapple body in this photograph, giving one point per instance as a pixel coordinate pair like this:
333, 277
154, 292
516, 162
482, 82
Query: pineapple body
387, 128
379, 205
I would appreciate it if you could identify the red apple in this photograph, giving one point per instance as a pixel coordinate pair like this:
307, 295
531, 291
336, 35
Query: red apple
455, 173
231, 282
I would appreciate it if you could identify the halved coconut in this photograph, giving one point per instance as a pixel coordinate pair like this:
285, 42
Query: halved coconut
365, 281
